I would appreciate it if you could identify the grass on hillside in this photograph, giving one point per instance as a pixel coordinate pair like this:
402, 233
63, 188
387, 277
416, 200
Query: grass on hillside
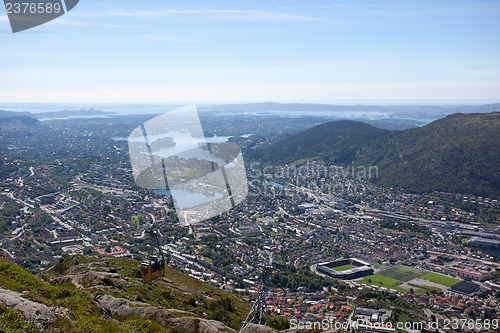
13, 321
343, 268
176, 291
441, 279
303, 160
84, 312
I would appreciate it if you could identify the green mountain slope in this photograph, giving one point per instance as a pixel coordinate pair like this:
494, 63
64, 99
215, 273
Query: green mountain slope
101, 294
459, 153
335, 142
18, 120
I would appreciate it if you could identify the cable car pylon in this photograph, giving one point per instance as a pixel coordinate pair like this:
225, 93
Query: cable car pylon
257, 314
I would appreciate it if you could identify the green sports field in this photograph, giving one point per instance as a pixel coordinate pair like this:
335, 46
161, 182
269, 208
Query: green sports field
393, 277
441, 279
409, 270
343, 268
381, 281
402, 273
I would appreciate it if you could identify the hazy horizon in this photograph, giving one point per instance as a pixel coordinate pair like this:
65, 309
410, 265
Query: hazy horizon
17, 106
196, 52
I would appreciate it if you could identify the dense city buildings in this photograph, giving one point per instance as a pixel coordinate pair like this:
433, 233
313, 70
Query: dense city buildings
341, 240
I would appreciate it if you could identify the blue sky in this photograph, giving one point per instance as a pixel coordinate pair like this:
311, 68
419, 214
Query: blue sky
254, 51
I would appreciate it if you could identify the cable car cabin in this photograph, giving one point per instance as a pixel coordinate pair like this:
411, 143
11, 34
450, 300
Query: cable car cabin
154, 267
153, 270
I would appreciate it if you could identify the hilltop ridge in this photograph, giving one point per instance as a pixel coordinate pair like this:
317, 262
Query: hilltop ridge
458, 153
90, 293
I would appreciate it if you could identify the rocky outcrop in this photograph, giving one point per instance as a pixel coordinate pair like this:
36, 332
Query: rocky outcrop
198, 325
253, 328
120, 307
38, 313
78, 278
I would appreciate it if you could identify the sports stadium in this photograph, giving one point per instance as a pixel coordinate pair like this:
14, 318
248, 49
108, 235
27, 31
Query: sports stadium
345, 269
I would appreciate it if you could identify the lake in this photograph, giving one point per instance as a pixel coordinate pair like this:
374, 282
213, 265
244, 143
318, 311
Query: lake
273, 184
186, 199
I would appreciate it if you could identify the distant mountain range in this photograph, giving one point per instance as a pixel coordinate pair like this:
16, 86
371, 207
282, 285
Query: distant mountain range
54, 114
17, 120
459, 153
400, 111
14, 118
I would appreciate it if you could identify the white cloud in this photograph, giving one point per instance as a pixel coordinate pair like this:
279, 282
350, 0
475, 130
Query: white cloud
169, 38
3, 18
80, 23
228, 14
